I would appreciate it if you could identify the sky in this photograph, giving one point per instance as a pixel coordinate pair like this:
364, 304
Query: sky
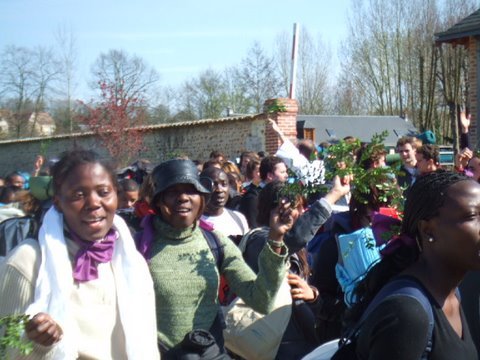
179, 38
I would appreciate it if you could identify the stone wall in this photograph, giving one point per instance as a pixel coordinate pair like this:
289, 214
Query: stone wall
195, 139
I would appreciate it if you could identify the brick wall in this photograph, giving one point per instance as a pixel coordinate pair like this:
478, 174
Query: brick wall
196, 139
473, 49
286, 120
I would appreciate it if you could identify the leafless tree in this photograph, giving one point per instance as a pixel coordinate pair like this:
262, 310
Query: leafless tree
68, 56
313, 83
259, 77
47, 71
236, 94
205, 95
129, 75
16, 82
391, 59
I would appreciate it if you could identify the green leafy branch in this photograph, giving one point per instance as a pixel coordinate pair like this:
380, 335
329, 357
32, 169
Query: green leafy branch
341, 161
12, 328
300, 186
275, 106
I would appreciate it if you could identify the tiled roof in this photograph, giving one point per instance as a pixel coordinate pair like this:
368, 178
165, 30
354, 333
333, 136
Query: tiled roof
334, 127
470, 26
142, 128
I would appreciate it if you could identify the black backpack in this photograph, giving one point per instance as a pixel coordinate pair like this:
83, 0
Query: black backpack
404, 286
15, 230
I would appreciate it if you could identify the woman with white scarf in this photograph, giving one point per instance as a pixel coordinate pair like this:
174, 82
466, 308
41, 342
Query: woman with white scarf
87, 290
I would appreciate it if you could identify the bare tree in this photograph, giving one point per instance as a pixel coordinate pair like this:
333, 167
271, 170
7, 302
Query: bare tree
205, 95
349, 99
16, 82
129, 76
313, 71
313, 77
68, 56
258, 76
390, 58
236, 93
47, 71
453, 68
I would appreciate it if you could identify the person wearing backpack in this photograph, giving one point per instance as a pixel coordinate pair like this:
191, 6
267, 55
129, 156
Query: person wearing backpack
345, 254
216, 216
438, 243
299, 335
183, 265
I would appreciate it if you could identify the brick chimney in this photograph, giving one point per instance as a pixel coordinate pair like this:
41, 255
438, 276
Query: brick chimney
474, 85
286, 120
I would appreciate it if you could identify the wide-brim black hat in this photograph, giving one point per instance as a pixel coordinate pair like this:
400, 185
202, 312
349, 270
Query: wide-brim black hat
177, 171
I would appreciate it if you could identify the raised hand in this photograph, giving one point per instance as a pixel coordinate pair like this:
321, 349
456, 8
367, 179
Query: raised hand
462, 158
341, 187
277, 129
281, 220
464, 121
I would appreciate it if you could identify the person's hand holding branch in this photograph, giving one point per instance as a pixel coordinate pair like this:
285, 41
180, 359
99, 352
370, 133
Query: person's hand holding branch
43, 330
281, 221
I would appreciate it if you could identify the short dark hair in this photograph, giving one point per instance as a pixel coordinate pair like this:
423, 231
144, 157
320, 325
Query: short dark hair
267, 165
430, 152
250, 155
413, 141
306, 147
268, 200
128, 185
424, 198
252, 164
217, 153
71, 159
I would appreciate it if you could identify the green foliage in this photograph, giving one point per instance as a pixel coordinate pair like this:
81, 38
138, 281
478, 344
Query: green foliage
275, 107
299, 187
341, 161
12, 327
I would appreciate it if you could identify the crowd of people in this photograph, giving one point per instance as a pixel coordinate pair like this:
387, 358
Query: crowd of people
145, 262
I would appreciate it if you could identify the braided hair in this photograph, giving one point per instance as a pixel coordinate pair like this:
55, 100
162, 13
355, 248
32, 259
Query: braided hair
424, 199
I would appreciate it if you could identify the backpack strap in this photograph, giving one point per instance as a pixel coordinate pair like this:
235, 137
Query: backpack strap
218, 252
403, 286
215, 246
243, 243
237, 219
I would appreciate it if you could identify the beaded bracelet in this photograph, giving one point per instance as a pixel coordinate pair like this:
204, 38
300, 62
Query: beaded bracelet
275, 244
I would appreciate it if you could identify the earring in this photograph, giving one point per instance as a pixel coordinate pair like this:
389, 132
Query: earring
431, 239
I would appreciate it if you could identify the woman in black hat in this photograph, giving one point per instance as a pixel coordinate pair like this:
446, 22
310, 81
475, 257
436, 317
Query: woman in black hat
186, 268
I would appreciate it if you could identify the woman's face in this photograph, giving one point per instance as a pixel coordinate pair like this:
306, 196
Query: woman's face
88, 200
180, 205
456, 229
256, 175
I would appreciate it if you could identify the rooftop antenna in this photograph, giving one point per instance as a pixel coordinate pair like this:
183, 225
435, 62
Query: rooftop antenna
293, 74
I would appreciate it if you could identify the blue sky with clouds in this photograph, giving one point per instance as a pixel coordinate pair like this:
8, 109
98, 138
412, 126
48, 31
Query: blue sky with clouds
178, 38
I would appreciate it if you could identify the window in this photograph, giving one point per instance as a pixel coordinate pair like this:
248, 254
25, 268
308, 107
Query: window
309, 134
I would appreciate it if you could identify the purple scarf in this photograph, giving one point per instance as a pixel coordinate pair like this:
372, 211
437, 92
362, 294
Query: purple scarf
91, 254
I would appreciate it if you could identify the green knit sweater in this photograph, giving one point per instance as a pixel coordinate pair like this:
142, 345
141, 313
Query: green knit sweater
186, 279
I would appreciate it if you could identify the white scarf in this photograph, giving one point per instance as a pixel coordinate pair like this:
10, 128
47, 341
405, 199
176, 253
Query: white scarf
134, 287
